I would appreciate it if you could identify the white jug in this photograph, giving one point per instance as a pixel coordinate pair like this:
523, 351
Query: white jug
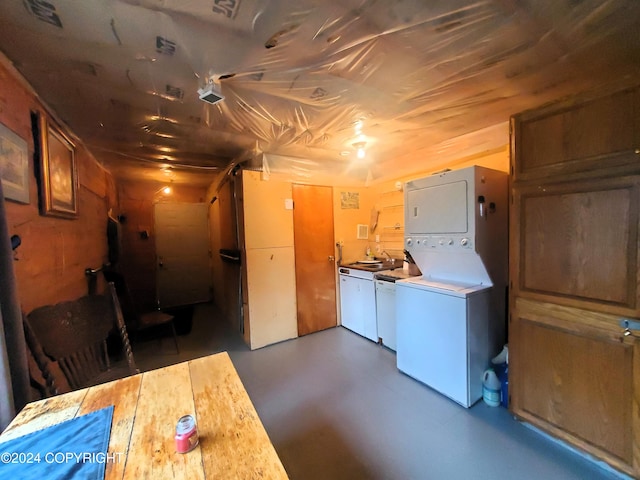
491, 388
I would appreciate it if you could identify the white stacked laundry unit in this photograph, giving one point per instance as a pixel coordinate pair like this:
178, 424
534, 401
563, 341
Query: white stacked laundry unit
451, 320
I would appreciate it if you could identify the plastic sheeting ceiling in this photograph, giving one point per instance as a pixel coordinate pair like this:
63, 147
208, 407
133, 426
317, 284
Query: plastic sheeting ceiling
430, 81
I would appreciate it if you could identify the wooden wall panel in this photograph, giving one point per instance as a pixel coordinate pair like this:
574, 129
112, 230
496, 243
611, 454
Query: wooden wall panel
567, 138
541, 142
54, 252
580, 244
94, 178
588, 134
571, 384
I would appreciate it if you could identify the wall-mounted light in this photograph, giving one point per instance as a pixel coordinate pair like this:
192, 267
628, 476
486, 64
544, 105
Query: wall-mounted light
166, 190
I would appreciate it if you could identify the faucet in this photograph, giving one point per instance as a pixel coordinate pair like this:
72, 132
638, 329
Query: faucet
392, 260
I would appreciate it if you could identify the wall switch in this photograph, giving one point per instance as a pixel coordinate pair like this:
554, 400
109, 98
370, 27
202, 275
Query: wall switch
288, 203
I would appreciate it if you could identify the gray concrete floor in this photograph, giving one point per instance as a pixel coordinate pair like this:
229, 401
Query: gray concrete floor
336, 407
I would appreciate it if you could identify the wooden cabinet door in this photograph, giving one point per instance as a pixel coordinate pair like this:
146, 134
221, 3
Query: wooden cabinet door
569, 138
574, 275
576, 375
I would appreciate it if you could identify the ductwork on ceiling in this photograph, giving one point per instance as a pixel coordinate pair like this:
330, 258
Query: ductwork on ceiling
416, 84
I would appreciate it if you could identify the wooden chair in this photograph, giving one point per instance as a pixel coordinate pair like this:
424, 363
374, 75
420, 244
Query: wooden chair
45, 375
136, 321
73, 336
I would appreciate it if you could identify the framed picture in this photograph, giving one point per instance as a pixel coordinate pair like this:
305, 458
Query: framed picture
14, 166
58, 171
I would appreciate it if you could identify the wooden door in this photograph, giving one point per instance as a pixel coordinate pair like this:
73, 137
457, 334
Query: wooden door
182, 247
574, 371
574, 275
314, 257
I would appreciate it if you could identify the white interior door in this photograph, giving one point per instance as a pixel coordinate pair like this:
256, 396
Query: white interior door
182, 247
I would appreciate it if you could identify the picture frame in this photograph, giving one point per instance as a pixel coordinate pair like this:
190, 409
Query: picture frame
58, 171
14, 166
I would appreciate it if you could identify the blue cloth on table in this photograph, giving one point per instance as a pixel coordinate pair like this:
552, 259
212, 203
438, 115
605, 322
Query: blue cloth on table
74, 449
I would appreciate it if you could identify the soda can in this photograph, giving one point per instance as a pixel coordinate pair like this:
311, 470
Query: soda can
186, 434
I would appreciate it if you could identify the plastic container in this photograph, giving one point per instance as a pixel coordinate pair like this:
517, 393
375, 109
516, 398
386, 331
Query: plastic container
502, 357
501, 366
504, 386
491, 388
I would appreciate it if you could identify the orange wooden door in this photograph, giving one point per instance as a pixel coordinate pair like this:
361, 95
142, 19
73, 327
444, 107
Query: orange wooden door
314, 256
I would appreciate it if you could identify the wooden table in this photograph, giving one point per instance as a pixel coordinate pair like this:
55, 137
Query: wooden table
233, 442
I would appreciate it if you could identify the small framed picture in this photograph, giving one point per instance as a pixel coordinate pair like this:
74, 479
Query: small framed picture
14, 166
58, 171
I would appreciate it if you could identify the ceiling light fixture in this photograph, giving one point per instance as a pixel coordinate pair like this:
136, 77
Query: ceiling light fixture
359, 146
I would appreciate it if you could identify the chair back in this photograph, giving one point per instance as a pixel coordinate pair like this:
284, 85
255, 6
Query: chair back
46, 376
122, 329
129, 310
74, 334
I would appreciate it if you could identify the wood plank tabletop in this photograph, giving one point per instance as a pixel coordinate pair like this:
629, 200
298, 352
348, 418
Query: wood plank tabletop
233, 441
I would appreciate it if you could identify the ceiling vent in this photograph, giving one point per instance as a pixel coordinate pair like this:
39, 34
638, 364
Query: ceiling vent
210, 94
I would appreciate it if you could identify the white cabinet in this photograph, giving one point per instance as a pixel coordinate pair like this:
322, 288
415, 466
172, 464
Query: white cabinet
358, 306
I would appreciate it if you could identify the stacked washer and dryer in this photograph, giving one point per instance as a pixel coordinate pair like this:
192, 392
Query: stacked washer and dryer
451, 320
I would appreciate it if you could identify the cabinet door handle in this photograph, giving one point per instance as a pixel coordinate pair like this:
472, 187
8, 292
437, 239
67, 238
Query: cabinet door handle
332, 258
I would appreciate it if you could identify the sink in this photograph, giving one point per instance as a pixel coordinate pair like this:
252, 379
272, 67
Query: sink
375, 267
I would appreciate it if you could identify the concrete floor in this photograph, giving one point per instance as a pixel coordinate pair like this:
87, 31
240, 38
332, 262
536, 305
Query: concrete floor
336, 407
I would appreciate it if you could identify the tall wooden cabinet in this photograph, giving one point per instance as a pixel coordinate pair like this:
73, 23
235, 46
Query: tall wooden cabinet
574, 273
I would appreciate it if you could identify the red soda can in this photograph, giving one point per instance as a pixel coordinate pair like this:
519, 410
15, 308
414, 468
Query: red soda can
186, 434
